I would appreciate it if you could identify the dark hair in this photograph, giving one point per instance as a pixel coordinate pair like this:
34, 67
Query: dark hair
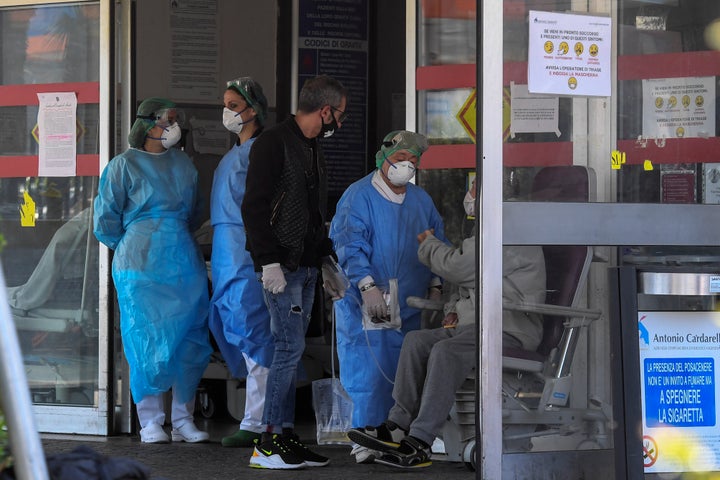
320, 91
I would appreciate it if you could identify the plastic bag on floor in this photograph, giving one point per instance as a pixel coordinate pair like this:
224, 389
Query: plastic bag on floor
333, 411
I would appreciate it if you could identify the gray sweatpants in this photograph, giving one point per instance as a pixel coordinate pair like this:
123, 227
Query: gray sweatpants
433, 365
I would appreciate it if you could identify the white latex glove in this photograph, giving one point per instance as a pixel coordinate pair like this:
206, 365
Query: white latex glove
273, 278
334, 280
374, 304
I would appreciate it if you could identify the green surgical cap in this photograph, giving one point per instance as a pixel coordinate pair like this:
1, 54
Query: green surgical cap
253, 94
401, 140
143, 122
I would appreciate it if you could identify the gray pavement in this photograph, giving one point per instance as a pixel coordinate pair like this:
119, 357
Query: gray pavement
210, 461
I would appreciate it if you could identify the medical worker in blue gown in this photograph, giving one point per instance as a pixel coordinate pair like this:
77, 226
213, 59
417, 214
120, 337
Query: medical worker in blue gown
374, 232
239, 319
145, 210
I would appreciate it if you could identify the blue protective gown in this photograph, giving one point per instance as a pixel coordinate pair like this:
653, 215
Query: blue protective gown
376, 237
144, 209
239, 319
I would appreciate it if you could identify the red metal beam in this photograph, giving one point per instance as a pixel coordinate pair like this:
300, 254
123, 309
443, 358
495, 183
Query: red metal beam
19, 95
514, 155
88, 165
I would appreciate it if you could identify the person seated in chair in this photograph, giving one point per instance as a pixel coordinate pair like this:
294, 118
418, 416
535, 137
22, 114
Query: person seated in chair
435, 362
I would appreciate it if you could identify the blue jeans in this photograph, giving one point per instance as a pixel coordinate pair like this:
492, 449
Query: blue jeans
289, 319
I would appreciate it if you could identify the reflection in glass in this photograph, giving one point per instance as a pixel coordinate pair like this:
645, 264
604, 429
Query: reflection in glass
52, 277
51, 267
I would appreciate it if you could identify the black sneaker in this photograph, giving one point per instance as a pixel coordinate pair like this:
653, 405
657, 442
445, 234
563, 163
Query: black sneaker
386, 436
310, 458
412, 453
274, 453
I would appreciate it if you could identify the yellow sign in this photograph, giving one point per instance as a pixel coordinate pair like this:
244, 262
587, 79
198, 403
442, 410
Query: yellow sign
27, 211
467, 116
617, 159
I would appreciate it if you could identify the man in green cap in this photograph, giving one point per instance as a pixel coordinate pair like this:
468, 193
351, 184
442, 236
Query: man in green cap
374, 232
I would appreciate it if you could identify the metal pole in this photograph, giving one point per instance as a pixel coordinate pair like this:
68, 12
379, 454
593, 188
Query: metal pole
28, 456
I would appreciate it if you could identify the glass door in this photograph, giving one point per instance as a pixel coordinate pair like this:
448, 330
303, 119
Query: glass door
622, 90
54, 92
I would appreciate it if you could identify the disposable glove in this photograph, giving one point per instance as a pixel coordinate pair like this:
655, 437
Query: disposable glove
334, 280
374, 304
273, 278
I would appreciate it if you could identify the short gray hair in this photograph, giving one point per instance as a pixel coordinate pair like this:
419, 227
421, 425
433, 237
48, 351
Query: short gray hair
320, 91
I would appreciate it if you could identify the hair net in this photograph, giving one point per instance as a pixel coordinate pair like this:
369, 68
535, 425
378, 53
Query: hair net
145, 119
401, 140
253, 94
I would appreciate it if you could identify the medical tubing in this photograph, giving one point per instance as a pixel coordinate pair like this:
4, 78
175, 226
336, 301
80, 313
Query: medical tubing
367, 340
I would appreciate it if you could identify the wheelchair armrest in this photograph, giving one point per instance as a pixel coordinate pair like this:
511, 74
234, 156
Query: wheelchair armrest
554, 310
425, 303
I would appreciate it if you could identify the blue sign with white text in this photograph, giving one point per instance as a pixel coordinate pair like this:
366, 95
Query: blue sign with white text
679, 392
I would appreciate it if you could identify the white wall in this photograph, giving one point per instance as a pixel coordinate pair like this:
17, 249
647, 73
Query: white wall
247, 45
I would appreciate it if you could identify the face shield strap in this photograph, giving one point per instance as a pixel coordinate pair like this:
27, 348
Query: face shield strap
161, 118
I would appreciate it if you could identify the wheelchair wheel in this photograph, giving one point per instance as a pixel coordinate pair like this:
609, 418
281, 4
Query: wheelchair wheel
206, 404
470, 455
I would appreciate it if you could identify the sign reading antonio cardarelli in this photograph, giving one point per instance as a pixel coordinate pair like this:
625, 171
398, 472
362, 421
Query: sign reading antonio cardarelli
679, 352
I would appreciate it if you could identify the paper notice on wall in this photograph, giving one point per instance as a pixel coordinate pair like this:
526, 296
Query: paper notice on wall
210, 136
194, 62
569, 54
531, 113
57, 119
679, 107
711, 183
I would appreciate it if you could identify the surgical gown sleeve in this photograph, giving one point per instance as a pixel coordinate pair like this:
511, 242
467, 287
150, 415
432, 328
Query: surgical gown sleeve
110, 204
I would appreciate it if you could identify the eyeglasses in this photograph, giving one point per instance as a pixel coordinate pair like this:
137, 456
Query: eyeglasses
343, 115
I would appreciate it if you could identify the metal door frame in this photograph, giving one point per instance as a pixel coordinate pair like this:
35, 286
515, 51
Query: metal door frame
94, 420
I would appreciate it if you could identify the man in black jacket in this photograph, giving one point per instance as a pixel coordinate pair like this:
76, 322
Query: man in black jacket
283, 210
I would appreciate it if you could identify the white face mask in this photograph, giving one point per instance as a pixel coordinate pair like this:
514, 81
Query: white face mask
171, 135
469, 204
400, 173
233, 121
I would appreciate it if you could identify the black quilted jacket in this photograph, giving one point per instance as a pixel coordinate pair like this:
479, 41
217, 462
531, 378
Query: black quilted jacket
285, 199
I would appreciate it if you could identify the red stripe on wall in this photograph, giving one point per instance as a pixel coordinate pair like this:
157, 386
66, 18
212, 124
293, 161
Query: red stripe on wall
674, 150
19, 95
27, 166
629, 67
444, 77
514, 154
669, 65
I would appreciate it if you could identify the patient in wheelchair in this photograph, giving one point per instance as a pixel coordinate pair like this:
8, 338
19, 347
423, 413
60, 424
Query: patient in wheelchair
434, 363
54, 309
54, 265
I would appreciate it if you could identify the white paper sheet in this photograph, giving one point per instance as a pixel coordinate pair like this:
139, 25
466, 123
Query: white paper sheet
57, 130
